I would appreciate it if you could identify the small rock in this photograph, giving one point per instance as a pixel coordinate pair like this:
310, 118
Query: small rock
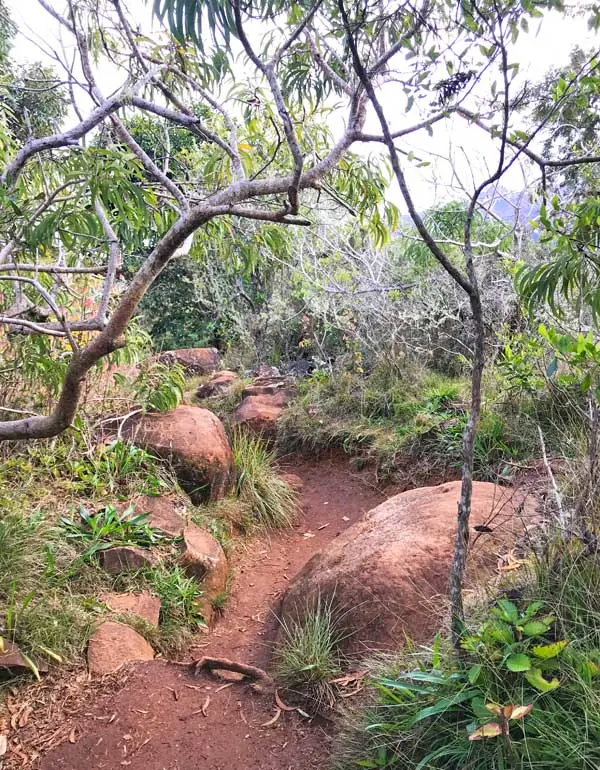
114, 644
165, 513
144, 605
220, 384
264, 370
125, 558
12, 663
205, 561
193, 360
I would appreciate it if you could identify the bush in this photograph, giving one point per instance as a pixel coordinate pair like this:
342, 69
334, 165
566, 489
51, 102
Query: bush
523, 695
270, 501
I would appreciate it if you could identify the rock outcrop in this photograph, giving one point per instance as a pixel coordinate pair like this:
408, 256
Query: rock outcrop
205, 561
263, 404
194, 440
112, 645
193, 360
220, 384
387, 575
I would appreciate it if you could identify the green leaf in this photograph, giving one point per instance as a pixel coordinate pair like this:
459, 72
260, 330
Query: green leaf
474, 673
508, 611
536, 679
518, 662
535, 628
548, 651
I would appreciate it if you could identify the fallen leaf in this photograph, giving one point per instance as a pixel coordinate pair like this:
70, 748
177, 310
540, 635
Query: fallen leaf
3, 745
24, 716
273, 720
345, 518
324, 525
72, 737
308, 534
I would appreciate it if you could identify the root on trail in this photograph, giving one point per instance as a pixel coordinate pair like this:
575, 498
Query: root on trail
223, 664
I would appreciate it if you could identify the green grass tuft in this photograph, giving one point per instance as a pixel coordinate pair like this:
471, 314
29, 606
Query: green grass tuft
270, 501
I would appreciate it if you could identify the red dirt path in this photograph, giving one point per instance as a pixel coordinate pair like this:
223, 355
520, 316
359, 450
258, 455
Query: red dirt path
155, 721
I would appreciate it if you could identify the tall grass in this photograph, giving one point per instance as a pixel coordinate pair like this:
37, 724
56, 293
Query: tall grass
307, 656
270, 500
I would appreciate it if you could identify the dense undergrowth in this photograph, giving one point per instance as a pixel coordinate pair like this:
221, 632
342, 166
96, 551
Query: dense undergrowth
523, 693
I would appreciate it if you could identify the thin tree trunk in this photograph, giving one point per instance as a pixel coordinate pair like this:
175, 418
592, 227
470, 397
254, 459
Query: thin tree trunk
461, 546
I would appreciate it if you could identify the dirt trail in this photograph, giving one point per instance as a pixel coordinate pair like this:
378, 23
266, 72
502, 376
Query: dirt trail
162, 718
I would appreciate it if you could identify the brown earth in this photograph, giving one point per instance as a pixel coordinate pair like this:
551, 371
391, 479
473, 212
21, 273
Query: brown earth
153, 719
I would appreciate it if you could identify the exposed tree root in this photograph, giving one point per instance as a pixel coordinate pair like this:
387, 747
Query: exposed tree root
223, 664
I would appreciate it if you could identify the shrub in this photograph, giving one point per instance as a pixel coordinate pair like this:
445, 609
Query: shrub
271, 502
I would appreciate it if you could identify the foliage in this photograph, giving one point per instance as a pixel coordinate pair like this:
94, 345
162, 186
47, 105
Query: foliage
157, 387
493, 708
180, 610
107, 528
307, 656
270, 500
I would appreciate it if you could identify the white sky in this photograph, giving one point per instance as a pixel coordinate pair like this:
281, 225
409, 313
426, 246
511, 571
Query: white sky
547, 45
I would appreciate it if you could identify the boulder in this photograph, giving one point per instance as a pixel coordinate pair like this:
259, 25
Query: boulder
112, 645
144, 605
166, 513
259, 413
205, 561
193, 360
388, 573
220, 384
194, 440
264, 370
126, 558
12, 663
283, 387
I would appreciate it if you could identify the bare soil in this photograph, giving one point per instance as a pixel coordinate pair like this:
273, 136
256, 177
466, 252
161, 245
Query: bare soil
161, 717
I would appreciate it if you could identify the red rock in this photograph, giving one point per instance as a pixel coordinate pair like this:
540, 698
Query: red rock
194, 440
260, 413
126, 558
144, 605
112, 645
165, 512
220, 384
12, 663
193, 360
388, 573
205, 561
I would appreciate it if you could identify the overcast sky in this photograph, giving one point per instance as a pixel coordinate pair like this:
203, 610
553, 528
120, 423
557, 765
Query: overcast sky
547, 45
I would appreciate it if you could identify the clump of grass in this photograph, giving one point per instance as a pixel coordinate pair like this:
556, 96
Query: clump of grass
308, 654
270, 500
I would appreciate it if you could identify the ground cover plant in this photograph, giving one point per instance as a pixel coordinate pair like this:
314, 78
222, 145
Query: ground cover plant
523, 693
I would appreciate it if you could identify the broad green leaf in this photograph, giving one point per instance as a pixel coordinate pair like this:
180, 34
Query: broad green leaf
474, 673
518, 662
536, 679
535, 628
508, 610
547, 651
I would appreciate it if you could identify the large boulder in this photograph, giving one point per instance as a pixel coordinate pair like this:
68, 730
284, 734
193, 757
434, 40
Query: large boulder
263, 404
205, 561
193, 360
387, 575
112, 645
220, 384
194, 440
